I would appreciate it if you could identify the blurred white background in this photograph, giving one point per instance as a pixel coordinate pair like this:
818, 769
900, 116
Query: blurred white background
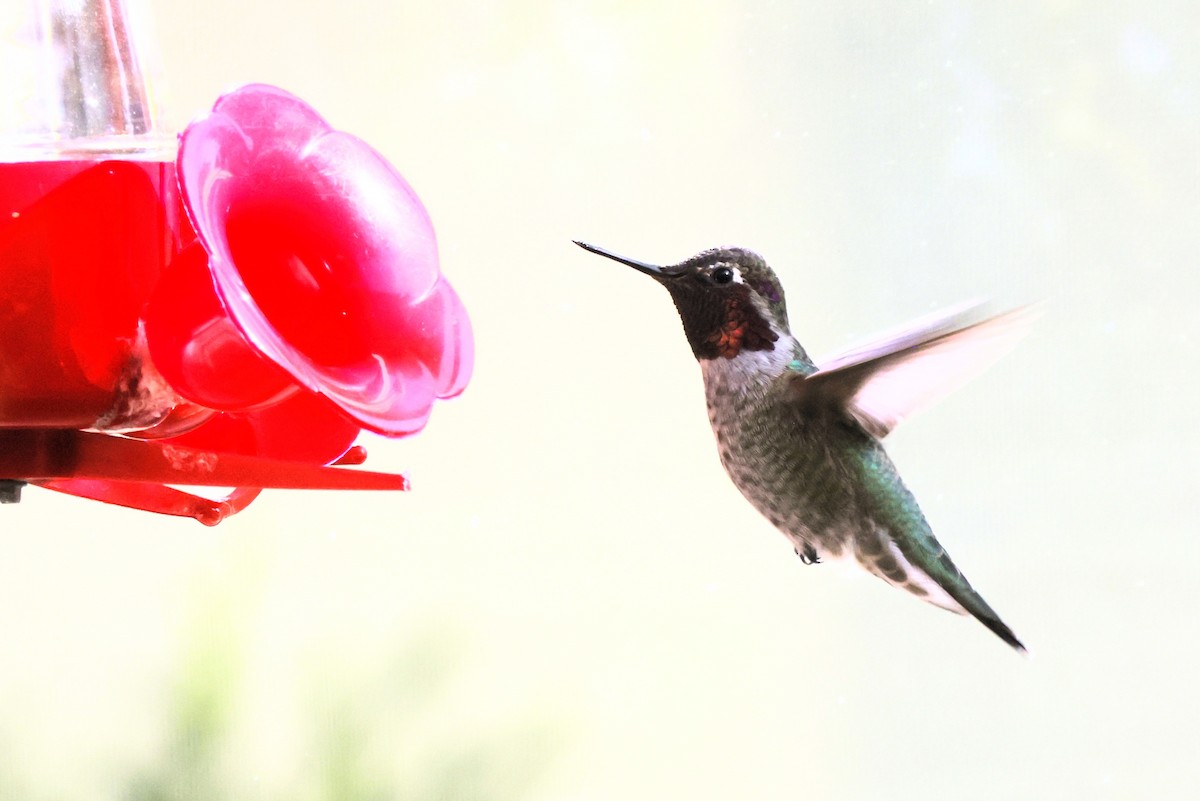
573, 603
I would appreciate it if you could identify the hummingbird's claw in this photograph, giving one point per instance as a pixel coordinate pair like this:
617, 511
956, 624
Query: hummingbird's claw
809, 555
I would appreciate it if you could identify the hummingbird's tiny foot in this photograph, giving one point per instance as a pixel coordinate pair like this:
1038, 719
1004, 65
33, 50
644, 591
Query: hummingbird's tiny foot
809, 555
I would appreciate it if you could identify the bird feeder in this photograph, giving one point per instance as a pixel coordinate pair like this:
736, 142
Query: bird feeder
227, 308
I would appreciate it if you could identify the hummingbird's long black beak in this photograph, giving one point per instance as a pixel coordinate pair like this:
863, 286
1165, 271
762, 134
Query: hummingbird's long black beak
640, 266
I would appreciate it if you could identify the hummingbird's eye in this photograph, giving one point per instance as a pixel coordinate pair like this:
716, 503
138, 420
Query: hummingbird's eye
722, 275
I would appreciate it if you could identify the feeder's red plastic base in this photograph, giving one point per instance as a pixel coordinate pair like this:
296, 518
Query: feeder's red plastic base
136, 473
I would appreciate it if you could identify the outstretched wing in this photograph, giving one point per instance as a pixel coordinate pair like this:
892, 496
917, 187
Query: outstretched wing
897, 375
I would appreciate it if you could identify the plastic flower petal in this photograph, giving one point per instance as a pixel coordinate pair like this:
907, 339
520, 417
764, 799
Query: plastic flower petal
324, 258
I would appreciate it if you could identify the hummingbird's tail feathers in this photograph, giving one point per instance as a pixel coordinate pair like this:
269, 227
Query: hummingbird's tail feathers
957, 587
899, 374
884, 559
943, 585
978, 608
972, 602
997, 627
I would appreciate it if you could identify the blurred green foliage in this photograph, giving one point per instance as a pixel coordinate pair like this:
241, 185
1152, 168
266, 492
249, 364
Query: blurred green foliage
365, 733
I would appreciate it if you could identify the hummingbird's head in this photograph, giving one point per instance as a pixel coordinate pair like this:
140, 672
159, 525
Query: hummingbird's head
728, 298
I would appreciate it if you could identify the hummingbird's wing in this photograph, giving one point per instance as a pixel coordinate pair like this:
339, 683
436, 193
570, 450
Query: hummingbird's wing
897, 375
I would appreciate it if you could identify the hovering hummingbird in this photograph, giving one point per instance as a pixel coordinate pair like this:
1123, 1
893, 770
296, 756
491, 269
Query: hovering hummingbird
802, 441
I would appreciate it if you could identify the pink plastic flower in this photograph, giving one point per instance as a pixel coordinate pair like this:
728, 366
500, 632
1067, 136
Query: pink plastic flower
324, 259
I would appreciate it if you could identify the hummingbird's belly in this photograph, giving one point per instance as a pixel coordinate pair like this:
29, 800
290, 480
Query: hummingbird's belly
790, 472
801, 475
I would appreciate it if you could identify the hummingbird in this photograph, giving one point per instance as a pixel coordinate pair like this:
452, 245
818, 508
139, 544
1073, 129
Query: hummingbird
802, 441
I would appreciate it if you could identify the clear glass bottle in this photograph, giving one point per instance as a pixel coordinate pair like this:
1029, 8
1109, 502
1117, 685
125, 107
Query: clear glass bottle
78, 81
